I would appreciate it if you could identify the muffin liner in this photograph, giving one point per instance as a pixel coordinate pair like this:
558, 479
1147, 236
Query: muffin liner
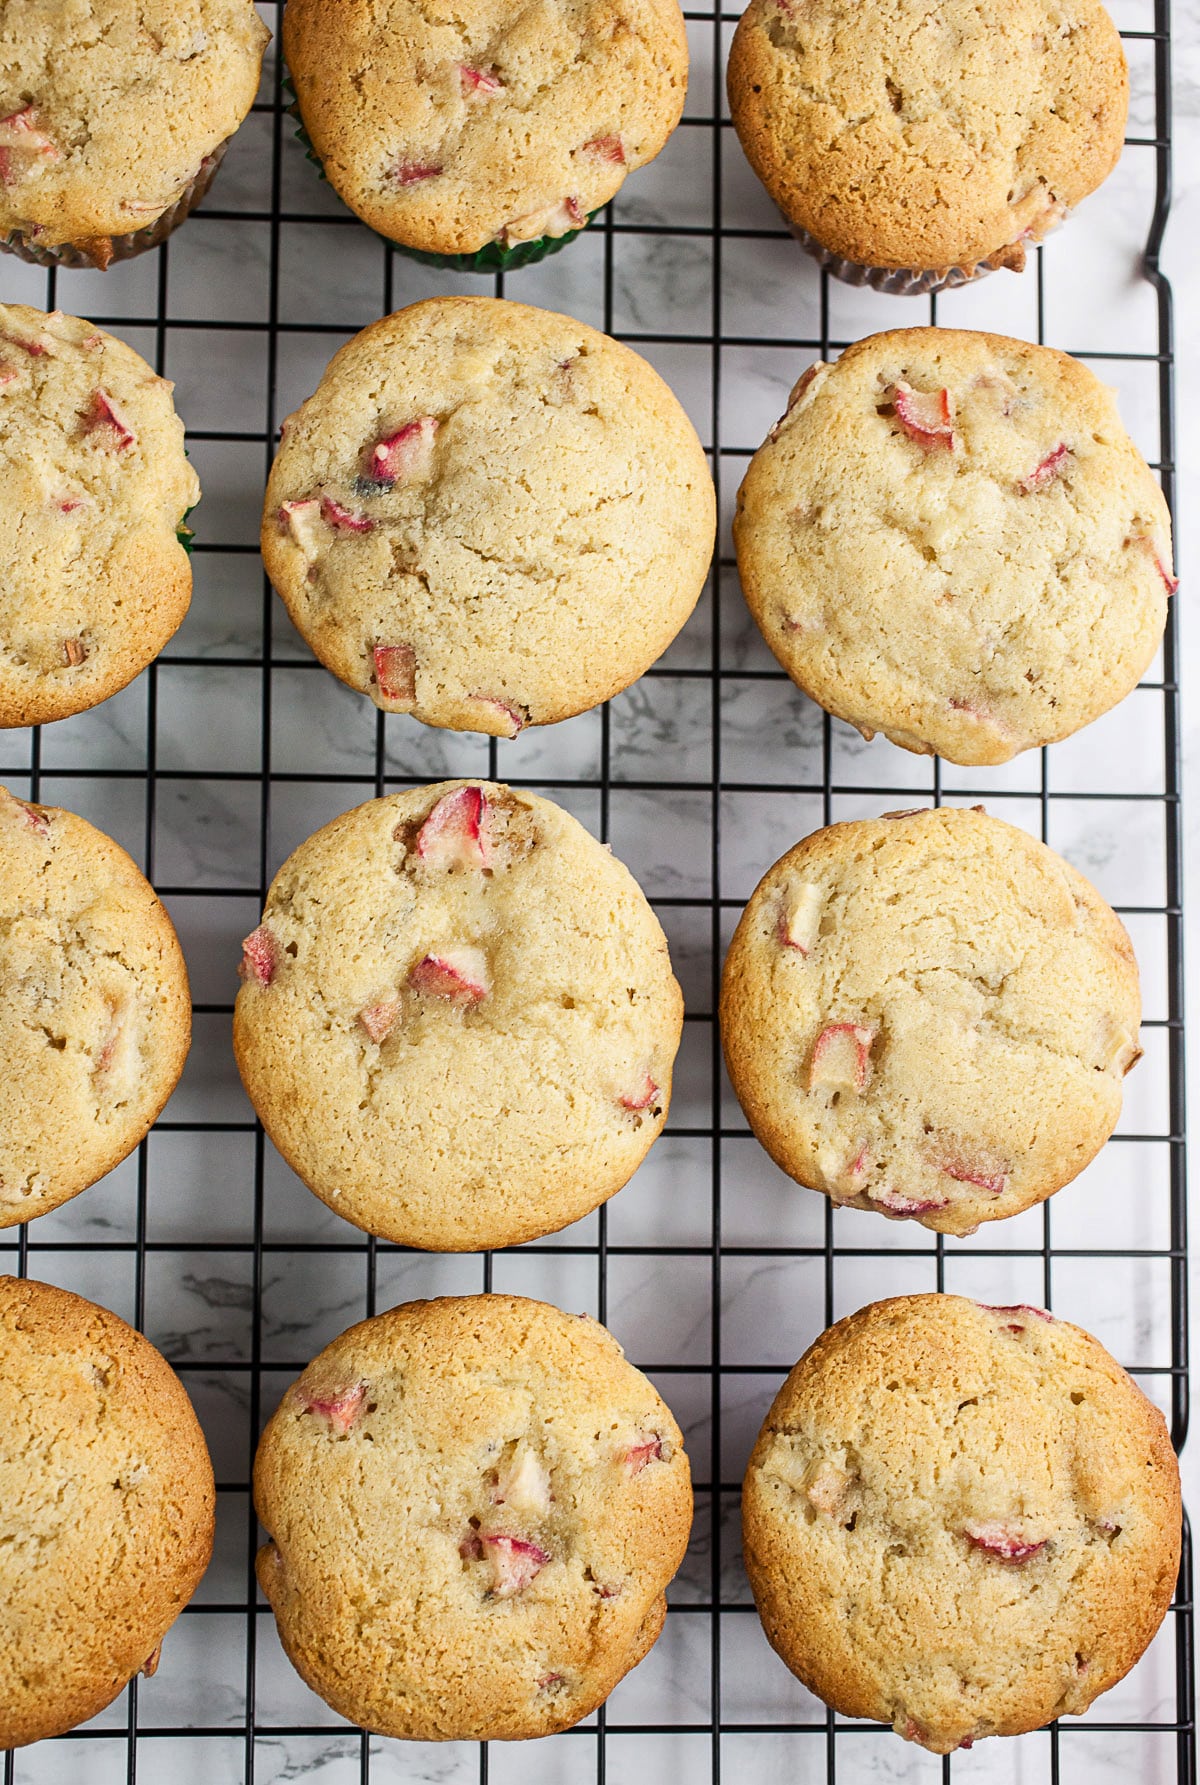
491, 258
905, 281
78, 254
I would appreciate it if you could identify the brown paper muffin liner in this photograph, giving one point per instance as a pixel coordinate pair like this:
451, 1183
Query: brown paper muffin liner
100, 251
911, 281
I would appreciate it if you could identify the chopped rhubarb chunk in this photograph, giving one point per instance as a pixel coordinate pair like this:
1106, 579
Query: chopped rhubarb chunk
524, 1483
648, 1449
609, 1589
906, 812
68, 504
828, 1489
926, 416
411, 173
511, 719
104, 419
606, 148
841, 1057
1047, 470
894, 1203
396, 671
641, 1098
795, 396
554, 220
800, 919
112, 1040
23, 144
345, 520
74, 652
300, 520
479, 80
260, 956
340, 1409
551, 1682
1002, 1541
401, 456
1018, 1308
459, 975
31, 345
149, 1666
380, 1019
457, 833
515, 1563
804, 382
30, 815
965, 1171
1161, 564
7, 372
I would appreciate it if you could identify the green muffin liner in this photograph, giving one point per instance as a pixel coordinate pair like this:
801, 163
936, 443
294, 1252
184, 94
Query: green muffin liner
491, 258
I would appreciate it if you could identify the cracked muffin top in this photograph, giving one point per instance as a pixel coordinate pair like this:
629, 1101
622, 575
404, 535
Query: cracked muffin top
474, 1507
95, 1016
458, 1018
447, 128
109, 107
960, 1520
108, 1508
909, 135
488, 515
930, 1015
951, 539
94, 485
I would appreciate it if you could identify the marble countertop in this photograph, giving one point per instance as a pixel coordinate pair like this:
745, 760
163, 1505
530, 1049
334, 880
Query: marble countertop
197, 1295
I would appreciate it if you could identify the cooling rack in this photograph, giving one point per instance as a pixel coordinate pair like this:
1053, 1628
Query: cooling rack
713, 1271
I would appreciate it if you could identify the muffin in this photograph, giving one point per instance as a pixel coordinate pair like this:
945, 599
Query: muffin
458, 1019
486, 138
109, 1498
488, 516
95, 487
949, 538
912, 147
929, 1015
114, 115
95, 1017
475, 1507
960, 1520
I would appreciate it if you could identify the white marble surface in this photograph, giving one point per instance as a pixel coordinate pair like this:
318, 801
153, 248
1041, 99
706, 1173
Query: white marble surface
199, 1303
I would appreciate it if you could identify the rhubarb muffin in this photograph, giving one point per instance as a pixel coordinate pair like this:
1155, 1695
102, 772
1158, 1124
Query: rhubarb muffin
960, 1520
458, 1019
488, 516
114, 115
475, 1507
95, 1016
929, 1015
109, 1499
911, 147
486, 137
94, 490
949, 538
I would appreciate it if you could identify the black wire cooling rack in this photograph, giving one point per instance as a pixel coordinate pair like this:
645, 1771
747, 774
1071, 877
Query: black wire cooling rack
148, 1242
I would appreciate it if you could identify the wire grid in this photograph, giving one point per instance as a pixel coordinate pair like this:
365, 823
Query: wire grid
215, 1725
